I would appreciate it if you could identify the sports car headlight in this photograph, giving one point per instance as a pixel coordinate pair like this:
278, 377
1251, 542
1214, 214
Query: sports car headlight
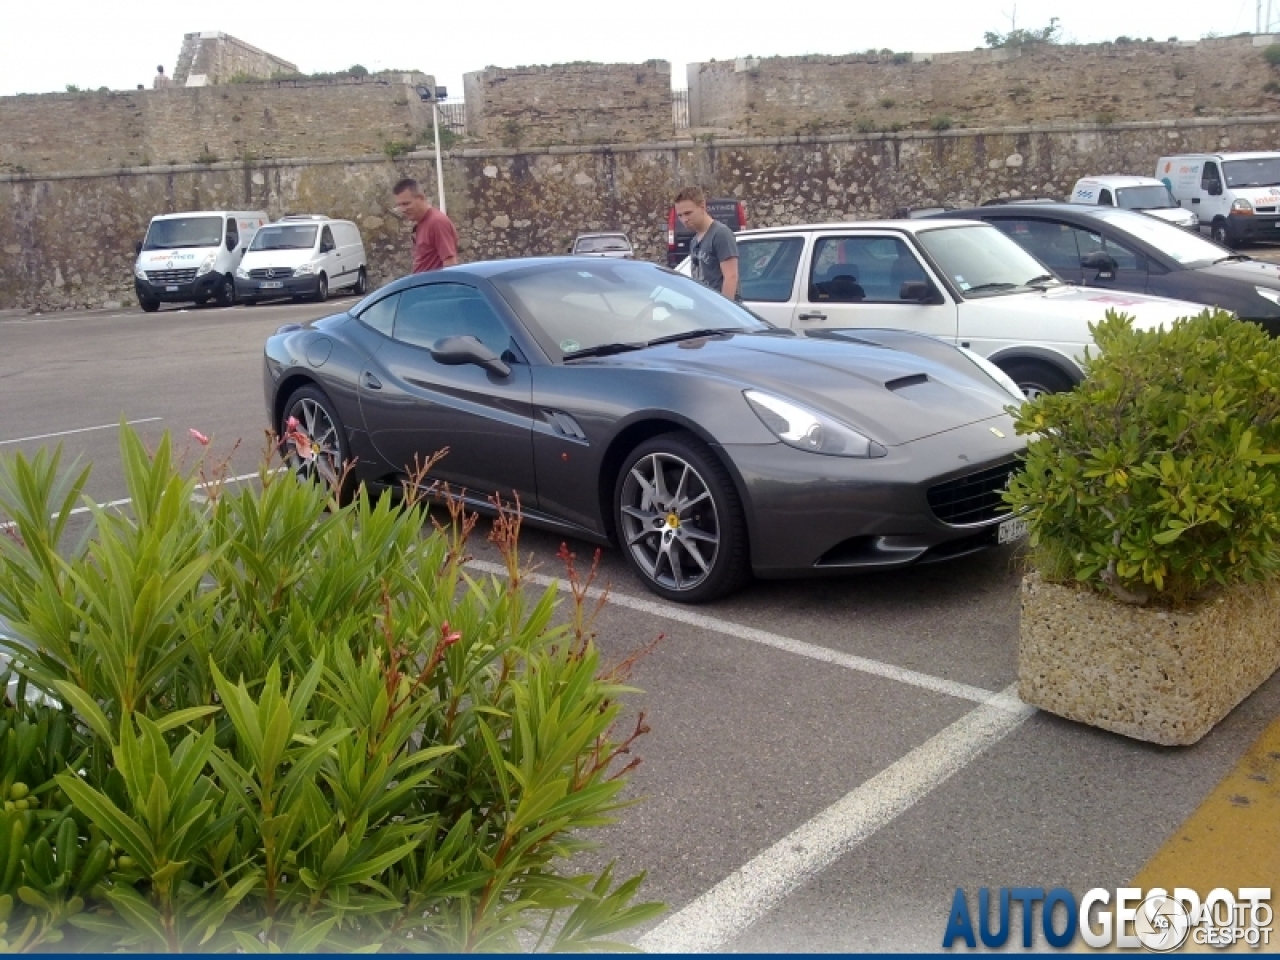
805, 430
996, 374
1268, 294
306, 270
207, 265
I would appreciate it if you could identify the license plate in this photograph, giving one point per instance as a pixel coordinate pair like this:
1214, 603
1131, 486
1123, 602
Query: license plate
271, 284
1011, 530
171, 289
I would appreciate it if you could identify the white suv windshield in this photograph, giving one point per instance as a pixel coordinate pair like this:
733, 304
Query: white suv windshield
1263, 172
284, 238
981, 261
1145, 198
1170, 240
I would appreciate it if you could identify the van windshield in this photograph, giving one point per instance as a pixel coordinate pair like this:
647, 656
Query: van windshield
181, 232
284, 238
1154, 197
1263, 172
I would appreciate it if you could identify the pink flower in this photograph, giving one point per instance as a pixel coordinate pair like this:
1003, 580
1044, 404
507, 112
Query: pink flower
198, 437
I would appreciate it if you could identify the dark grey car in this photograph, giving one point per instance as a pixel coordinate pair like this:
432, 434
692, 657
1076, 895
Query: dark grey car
624, 403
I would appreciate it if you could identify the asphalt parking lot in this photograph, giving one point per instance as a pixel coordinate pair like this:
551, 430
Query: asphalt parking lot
829, 760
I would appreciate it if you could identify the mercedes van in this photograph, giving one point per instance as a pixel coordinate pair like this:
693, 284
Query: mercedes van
303, 256
1145, 194
1237, 195
192, 257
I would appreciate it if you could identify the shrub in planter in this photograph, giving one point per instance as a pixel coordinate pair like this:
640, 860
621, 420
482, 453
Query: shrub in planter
1156, 482
284, 724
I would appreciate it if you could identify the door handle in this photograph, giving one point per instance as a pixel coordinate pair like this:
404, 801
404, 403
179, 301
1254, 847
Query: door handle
1195, 199
812, 316
372, 382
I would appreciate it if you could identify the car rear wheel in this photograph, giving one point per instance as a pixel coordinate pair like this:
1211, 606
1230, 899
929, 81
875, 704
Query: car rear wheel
362, 283
312, 440
322, 289
679, 520
1036, 379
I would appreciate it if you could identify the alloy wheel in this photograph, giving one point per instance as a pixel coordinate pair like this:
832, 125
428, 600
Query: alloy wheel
669, 520
313, 450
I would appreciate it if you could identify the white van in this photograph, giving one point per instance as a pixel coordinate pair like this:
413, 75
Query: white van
1146, 194
1236, 194
303, 256
192, 257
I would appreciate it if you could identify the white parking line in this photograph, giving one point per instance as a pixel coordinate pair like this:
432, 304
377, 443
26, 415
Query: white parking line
67, 433
849, 661
728, 908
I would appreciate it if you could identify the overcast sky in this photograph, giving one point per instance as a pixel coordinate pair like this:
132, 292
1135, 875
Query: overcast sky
117, 44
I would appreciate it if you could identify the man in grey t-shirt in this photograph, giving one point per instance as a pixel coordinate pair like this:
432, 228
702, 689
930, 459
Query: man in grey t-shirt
713, 251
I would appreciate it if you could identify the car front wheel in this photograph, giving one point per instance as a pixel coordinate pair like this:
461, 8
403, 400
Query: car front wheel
312, 441
1036, 379
679, 521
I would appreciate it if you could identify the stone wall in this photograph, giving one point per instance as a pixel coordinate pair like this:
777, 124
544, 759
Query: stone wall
570, 103
1105, 83
210, 58
60, 132
68, 240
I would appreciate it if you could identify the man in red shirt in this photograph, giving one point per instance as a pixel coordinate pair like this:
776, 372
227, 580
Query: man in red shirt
435, 241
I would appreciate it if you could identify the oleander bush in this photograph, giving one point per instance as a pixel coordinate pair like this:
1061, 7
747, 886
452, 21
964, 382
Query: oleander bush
246, 718
1158, 477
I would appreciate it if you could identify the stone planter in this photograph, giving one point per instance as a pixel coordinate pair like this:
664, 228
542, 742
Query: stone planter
1157, 675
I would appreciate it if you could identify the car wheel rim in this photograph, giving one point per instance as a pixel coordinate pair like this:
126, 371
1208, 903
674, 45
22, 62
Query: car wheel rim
312, 451
1033, 391
669, 521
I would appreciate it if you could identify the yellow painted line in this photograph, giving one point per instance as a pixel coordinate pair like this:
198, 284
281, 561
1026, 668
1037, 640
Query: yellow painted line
1232, 840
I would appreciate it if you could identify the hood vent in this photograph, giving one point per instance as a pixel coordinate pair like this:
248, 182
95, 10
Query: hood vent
914, 380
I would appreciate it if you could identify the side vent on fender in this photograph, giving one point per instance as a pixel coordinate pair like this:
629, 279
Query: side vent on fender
564, 425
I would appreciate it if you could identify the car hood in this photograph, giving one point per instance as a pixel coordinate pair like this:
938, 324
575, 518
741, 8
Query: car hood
892, 395
1068, 304
1246, 271
1175, 215
175, 259
280, 259
1258, 196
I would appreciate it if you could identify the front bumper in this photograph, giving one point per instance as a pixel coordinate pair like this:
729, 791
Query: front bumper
198, 289
283, 287
811, 514
1255, 227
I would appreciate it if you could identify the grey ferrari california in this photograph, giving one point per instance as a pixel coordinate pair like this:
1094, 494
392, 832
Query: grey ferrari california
623, 403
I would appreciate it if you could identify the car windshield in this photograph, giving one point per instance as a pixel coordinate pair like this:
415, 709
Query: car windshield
601, 244
571, 308
1263, 172
284, 238
182, 232
1181, 245
1153, 197
981, 261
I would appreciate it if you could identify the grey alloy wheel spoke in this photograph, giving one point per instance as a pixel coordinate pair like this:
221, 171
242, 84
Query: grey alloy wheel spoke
669, 521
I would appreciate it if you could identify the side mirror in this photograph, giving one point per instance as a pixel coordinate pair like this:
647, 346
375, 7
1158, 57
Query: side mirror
1099, 261
917, 291
137, 247
456, 351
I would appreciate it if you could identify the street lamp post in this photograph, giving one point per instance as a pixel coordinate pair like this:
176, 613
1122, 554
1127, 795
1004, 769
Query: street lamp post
433, 96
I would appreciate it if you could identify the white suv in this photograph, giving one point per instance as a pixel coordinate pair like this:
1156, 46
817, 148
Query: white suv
962, 281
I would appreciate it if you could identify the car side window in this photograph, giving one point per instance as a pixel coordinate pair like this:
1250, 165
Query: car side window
1104, 199
1210, 177
326, 240
1053, 244
767, 268
233, 234
862, 270
1088, 243
381, 316
433, 311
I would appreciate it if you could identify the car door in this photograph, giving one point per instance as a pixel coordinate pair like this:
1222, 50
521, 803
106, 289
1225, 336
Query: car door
856, 279
768, 274
232, 245
1130, 272
1212, 201
330, 259
414, 406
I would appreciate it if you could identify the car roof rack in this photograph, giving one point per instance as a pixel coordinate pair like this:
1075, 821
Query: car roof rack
303, 216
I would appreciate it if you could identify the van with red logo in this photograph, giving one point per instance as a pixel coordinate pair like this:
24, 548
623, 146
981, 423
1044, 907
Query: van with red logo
1236, 195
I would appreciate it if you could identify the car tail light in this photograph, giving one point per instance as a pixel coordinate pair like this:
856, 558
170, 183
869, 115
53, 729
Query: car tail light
671, 229
742, 215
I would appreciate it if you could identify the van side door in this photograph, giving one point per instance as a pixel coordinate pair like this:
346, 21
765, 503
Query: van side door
232, 242
1213, 195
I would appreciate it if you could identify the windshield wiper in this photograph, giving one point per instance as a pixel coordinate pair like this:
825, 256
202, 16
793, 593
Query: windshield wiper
603, 350
693, 335
1043, 280
991, 286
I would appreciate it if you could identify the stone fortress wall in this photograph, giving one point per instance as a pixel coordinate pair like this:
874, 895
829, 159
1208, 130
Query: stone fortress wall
212, 57
80, 175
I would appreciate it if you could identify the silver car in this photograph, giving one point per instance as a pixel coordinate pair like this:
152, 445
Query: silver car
602, 245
